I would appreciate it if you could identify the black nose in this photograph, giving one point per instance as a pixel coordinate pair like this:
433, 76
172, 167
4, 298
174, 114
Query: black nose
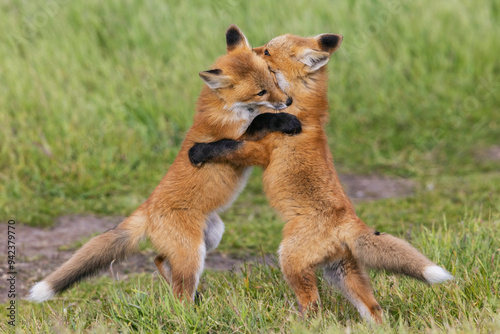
289, 101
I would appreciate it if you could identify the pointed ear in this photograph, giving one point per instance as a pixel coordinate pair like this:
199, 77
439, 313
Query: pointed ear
260, 50
235, 39
214, 79
314, 59
329, 42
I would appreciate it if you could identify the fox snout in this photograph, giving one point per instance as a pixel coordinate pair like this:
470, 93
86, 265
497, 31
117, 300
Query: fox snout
281, 105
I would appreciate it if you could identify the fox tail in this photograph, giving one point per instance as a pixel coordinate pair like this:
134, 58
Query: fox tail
377, 250
95, 255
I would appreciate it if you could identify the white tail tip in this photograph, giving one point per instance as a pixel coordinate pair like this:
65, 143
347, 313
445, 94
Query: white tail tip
41, 292
436, 274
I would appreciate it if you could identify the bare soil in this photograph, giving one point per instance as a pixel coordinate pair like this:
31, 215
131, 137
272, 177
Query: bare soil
490, 154
373, 187
40, 251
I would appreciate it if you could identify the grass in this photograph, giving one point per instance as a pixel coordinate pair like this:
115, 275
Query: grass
258, 300
97, 96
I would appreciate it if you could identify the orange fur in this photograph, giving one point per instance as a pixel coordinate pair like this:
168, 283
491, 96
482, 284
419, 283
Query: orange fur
175, 217
300, 180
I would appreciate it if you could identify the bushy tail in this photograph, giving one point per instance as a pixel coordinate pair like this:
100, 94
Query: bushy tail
383, 251
95, 255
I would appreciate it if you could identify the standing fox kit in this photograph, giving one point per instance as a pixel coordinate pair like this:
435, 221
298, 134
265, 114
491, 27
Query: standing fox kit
322, 228
180, 217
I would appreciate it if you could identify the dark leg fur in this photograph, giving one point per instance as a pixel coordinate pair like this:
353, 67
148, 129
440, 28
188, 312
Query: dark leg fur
203, 152
266, 123
262, 125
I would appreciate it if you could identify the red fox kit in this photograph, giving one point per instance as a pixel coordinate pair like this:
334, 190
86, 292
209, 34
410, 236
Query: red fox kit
322, 228
180, 217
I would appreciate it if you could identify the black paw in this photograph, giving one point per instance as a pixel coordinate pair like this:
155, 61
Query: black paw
286, 123
198, 298
199, 153
205, 152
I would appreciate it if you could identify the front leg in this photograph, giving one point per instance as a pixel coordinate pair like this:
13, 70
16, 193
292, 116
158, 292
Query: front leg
240, 153
266, 123
251, 149
204, 152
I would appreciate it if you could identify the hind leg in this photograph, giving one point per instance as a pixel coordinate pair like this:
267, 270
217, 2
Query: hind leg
187, 267
301, 277
164, 268
349, 277
182, 250
299, 256
212, 234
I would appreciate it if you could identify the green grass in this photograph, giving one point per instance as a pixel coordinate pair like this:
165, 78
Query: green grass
97, 96
252, 228
258, 300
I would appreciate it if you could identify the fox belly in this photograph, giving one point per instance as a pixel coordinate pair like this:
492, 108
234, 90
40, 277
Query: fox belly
239, 188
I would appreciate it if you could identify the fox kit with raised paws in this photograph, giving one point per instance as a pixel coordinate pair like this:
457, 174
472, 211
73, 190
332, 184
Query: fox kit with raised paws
322, 228
180, 217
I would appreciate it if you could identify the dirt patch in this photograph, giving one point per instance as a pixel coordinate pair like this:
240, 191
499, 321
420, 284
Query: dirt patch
490, 154
38, 251
372, 187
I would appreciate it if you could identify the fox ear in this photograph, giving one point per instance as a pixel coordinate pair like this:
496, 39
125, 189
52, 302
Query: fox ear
329, 42
214, 79
260, 50
314, 59
235, 39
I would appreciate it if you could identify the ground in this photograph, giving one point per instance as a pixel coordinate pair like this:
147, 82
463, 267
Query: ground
40, 251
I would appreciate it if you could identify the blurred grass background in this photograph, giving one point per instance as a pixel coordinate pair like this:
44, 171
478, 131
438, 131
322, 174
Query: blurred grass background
97, 96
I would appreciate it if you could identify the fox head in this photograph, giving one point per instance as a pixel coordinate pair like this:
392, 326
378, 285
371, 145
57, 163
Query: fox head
293, 58
241, 79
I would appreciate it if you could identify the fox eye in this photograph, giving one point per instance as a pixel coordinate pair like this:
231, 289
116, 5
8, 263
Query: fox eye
262, 92
266, 53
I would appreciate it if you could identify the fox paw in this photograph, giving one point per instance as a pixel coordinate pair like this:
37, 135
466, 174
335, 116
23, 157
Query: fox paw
290, 124
287, 124
198, 298
199, 153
